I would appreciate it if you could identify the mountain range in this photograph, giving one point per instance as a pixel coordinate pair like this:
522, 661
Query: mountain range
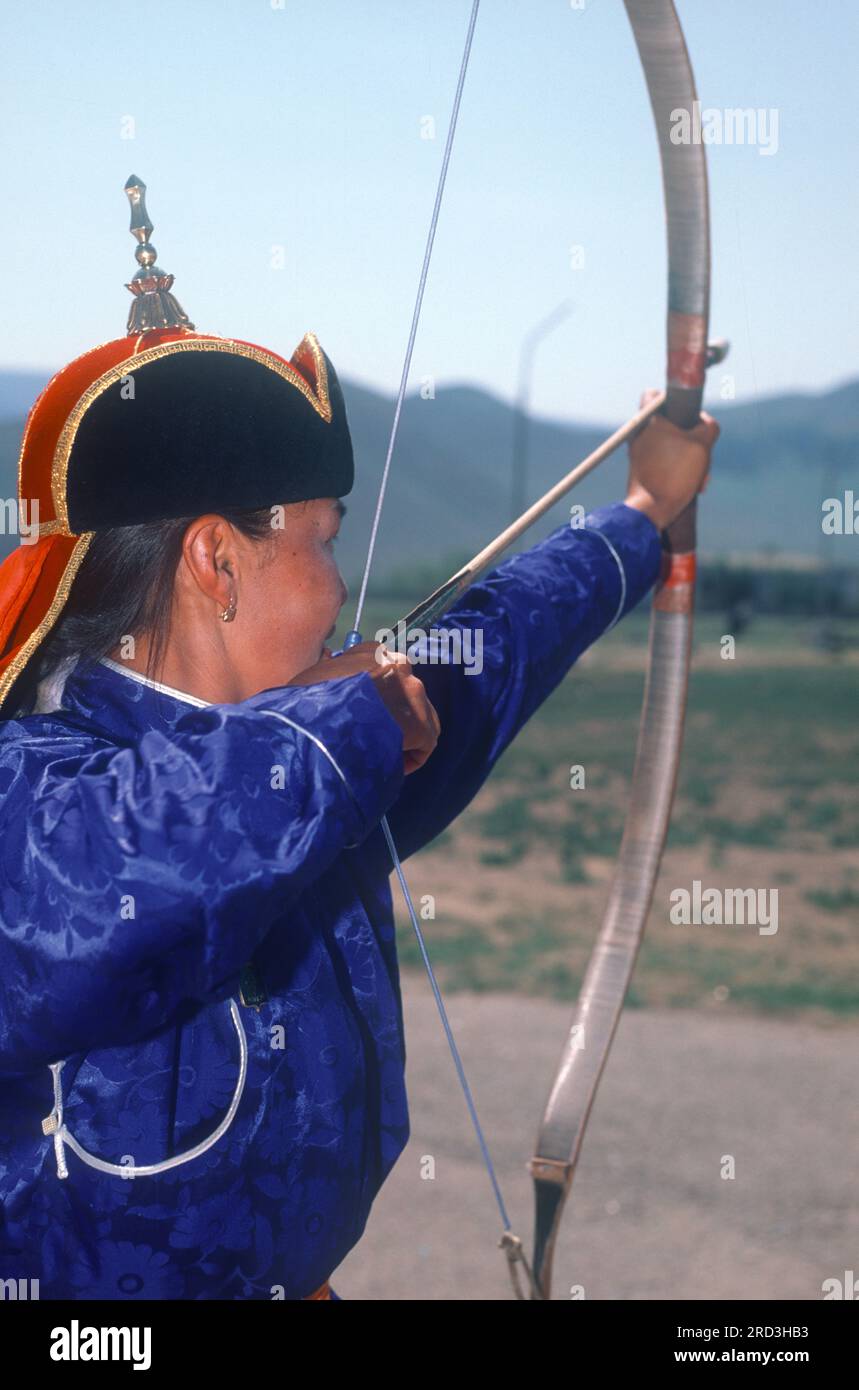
778, 458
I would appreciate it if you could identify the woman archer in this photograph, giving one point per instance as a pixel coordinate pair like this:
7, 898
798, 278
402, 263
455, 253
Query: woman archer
201, 1040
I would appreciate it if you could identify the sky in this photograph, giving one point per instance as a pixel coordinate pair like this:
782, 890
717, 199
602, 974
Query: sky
291, 184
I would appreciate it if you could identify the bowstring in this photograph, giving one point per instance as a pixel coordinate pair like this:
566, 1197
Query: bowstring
407, 363
510, 1243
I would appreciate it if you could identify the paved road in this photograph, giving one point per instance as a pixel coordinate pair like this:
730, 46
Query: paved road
650, 1215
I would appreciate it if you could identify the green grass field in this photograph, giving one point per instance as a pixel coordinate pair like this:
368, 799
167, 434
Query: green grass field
767, 800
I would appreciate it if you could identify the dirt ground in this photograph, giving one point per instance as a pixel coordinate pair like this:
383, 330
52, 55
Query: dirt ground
651, 1216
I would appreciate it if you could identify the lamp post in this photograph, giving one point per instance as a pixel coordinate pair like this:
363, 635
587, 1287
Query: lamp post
521, 418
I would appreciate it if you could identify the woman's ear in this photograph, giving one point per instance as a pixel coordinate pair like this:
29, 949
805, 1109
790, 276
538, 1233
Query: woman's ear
210, 556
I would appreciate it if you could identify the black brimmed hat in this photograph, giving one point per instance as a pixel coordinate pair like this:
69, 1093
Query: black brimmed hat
163, 423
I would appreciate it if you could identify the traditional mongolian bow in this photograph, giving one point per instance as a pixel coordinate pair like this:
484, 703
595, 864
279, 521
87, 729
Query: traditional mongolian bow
671, 86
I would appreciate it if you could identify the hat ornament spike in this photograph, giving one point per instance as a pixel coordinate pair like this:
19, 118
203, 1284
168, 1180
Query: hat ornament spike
153, 305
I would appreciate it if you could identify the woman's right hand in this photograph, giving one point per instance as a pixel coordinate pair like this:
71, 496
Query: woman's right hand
402, 694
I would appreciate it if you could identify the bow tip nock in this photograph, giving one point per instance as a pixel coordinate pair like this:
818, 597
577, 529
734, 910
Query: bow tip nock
717, 351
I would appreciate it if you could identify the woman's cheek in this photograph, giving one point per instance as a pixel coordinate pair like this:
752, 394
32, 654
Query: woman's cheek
336, 587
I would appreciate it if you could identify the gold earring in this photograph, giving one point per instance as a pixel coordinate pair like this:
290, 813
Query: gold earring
227, 614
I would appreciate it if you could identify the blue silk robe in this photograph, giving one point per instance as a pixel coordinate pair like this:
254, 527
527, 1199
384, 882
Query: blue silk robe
150, 847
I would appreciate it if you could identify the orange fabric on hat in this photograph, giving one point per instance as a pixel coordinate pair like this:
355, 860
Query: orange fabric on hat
31, 580
51, 410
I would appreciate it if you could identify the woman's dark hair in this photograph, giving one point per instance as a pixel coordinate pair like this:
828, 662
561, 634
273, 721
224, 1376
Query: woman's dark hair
124, 588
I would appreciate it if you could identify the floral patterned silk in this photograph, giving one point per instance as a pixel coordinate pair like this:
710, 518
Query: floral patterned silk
150, 849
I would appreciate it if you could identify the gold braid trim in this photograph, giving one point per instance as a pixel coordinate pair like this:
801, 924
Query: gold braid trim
60, 466
43, 392
20, 660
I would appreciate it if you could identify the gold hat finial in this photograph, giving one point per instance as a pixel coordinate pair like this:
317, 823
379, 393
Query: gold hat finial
154, 306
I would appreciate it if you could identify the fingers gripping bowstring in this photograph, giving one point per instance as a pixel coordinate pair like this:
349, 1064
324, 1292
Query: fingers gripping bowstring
509, 1242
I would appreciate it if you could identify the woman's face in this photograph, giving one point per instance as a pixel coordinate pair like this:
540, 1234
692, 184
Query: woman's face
288, 592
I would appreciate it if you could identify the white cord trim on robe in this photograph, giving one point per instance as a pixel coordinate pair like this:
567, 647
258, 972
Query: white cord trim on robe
275, 714
155, 685
54, 1124
619, 563
206, 704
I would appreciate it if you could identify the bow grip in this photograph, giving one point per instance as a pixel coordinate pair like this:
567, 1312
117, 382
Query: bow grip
683, 408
